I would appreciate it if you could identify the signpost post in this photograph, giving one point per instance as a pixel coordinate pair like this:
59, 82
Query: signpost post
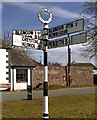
45, 86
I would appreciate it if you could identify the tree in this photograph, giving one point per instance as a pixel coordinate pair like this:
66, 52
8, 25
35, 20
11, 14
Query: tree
90, 16
54, 64
6, 41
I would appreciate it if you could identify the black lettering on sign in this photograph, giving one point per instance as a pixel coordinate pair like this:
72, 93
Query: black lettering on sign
32, 45
66, 42
59, 43
69, 25
76, 23
24, 44
62, 42
58, 33
50, 45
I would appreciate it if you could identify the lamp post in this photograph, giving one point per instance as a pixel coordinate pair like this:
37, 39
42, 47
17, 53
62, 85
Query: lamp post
45, 50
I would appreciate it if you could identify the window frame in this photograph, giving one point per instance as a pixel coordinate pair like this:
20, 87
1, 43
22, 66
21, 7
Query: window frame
21, 75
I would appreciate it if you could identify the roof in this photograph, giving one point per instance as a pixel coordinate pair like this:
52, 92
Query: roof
20, 58
94, 68
82, 64
22, 67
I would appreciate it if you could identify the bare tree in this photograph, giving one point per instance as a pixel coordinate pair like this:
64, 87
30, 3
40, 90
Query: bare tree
5, 41
90, 16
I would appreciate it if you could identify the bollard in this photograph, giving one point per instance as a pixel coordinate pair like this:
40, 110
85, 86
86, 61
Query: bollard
29, 90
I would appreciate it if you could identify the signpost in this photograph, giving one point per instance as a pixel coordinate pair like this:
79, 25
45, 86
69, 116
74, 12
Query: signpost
79, 38
41, 40
62, 30
17, 40
65, 29
26, 38
61, 42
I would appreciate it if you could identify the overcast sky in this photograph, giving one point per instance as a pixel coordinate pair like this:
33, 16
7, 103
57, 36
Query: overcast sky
24, 15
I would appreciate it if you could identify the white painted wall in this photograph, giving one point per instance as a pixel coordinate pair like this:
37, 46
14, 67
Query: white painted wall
14, 84
3, 65
20, 86
11, 80
29, 77
4, 75
94, 72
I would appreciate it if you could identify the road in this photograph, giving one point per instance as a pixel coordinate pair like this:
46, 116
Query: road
19, 95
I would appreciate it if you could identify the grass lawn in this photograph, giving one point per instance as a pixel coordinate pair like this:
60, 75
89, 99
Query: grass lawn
69, 106
52, 87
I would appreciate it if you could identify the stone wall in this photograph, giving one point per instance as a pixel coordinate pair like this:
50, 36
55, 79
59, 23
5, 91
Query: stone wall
55, 74
80, 74
37, 75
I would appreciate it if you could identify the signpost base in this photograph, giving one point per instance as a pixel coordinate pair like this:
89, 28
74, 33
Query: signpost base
29, 89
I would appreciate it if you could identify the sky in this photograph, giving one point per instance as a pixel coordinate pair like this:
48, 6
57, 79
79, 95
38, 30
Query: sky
20, 15
24, 16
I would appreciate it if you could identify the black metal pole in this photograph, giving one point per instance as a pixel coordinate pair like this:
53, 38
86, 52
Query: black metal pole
69, 62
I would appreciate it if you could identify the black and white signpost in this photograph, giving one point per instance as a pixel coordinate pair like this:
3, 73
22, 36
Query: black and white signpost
45, 49
41, 40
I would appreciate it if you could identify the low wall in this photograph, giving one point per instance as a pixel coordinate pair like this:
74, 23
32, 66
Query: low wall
79, 75
55, 74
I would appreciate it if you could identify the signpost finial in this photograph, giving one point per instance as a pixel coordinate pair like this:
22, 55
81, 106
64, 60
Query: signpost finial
46, 10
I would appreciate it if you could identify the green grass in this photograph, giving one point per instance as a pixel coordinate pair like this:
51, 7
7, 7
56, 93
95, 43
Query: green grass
52, 87
70, 106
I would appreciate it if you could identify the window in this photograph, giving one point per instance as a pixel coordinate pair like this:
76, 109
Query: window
21, 75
